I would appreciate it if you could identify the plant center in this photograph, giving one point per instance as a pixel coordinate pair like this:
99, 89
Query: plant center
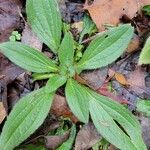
67, 70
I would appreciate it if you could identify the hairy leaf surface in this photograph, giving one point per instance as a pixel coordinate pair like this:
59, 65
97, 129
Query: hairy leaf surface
108, 128
77, 100
66, 50
27, 58
55, 82
45, 19
104, 111
27, 115
106, 48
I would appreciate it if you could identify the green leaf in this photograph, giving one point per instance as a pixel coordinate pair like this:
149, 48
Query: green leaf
88, 27
17, 35
45, 19
66, 50
145, 54
41, 76
105, 113
146, 9
144, 106
106, 48
12, 38
68, 144
77, 100
27, 115
55, 82
108, 128
27, 58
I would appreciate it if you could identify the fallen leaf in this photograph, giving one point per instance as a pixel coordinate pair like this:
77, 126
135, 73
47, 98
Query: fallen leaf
96, 78
52, 142
120, 78
8, 73
87, 137
103, 90
3, 113
60, 108
136, 81
11, 72
134, 44
70, 11
64, 11
9, 17
110, 11
9, 20
13, 95
29, 38
49, 125
3, 93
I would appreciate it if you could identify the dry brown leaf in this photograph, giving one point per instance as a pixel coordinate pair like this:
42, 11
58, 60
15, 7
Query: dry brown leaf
120, 78
112, 147
134, 44
110, 11
52, 142
95, 79
9, 17
136, 80
60, 108
87, 137
29, 38
2, 112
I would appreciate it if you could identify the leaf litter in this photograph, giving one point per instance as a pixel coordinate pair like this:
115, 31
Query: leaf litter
3, 113
87, 137
126, 68
109, 12
9, 18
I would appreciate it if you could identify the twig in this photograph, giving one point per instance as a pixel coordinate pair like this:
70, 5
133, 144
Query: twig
92, 37
20, 14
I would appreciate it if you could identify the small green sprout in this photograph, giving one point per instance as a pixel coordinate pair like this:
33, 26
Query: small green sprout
15, 36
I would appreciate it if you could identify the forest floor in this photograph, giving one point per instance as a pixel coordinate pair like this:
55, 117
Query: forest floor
123, 81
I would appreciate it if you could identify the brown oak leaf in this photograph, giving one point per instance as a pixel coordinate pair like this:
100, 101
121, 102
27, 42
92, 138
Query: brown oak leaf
110, 11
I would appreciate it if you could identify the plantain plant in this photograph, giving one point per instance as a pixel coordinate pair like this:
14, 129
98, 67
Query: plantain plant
114, 122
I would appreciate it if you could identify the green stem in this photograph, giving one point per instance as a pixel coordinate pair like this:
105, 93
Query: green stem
42, 76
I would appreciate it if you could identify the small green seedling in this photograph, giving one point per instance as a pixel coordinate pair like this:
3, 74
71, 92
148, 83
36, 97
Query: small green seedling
114, 122
15, 36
